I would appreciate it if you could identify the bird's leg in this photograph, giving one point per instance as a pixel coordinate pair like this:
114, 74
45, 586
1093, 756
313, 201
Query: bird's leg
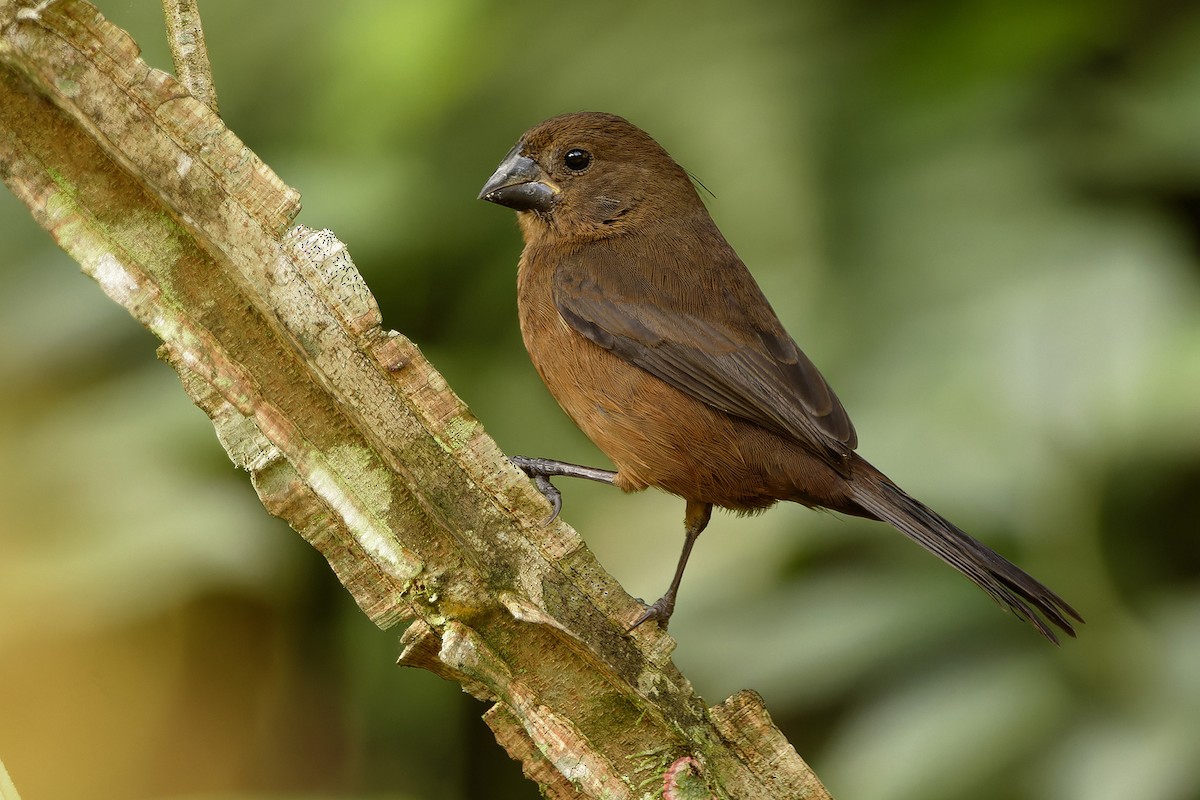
695, 519
541, 470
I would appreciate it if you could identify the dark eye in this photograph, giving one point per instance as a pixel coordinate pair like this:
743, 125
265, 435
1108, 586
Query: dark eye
577, 159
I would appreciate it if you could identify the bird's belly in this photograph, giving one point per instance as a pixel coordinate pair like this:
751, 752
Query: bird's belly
657, 435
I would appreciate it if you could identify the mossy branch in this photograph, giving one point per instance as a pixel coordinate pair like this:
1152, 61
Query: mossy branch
347, 431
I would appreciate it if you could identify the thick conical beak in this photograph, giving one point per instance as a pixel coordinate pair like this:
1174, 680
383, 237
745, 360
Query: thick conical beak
520, 184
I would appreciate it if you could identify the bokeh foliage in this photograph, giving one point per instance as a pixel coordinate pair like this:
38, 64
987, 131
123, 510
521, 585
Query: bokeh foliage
981, 219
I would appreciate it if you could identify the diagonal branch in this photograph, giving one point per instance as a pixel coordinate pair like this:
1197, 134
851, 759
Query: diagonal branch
347, 431
189, 51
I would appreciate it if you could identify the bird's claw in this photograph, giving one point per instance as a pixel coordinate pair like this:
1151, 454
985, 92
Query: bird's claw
660, 611
552, 495
549, 491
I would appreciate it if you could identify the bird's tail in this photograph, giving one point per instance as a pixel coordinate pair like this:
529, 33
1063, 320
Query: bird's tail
1005, 582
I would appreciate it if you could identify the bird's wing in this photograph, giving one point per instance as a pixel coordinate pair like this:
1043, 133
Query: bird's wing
733, 356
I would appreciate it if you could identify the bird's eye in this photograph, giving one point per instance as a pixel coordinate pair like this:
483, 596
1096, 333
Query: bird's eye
577, 159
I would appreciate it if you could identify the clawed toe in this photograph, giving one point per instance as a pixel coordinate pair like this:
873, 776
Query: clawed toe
540, 470
660, 612
552, 495
541, 480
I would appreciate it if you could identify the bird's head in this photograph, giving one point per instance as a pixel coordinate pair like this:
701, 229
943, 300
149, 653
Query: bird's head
590, 175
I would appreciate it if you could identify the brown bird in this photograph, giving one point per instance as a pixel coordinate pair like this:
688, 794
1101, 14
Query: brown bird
655, 339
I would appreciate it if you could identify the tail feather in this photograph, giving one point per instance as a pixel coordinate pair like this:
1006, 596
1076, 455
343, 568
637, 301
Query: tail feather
1006, 583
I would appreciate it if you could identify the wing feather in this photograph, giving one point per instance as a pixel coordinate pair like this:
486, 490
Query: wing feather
742, 363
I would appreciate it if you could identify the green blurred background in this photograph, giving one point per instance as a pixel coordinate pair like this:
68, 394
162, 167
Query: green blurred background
982, 220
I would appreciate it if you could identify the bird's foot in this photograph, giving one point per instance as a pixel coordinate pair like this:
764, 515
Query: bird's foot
541, 470
660, 611
540, 478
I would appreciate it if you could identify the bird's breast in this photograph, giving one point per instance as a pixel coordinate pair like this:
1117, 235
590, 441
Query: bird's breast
655, 434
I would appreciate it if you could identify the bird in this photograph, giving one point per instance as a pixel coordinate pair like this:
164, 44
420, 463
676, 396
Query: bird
655, 339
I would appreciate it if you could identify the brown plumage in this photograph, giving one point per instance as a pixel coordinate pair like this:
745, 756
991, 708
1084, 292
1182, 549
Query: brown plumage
655, 339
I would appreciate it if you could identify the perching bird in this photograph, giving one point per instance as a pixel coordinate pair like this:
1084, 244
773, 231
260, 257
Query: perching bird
655, 339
